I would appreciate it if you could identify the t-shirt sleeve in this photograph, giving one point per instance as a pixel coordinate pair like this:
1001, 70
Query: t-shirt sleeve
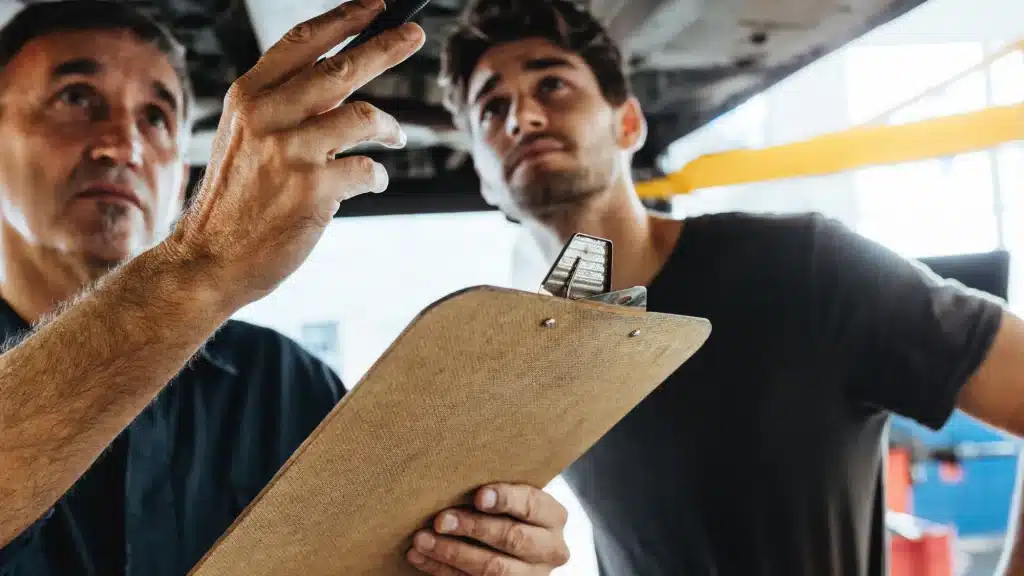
907, 339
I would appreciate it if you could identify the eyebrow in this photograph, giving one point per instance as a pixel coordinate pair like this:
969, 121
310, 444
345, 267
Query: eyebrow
164, 93
90, 67
76, 67
534, 64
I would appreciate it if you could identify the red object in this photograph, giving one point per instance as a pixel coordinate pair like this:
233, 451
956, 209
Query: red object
898, 496
931, 555
951, 473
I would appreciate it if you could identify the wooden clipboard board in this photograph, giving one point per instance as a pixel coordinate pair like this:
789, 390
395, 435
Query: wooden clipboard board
485, 385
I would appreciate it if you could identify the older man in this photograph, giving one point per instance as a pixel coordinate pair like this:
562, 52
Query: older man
113, 459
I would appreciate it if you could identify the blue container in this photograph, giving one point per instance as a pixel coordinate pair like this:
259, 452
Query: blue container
978, 504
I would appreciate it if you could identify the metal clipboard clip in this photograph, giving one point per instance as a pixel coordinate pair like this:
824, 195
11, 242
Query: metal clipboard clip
583, 271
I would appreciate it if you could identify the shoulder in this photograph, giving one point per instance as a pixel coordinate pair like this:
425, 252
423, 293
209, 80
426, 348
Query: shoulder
764, 232
789, 239
776, 223
779, 246
261, 354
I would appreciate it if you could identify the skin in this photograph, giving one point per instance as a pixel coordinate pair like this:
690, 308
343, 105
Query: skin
96, 118
97, 273
594, 141
553, 153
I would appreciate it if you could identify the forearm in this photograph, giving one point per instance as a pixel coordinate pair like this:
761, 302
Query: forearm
69, 389
1012, 561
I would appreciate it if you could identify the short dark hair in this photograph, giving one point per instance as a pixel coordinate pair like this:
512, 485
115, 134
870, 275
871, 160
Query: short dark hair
565, 23
41, 19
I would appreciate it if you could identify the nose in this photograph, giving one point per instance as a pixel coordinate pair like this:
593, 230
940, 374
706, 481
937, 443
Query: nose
527, 116
119, 142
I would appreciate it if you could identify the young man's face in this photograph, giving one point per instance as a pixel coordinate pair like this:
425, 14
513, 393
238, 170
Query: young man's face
91, 138
544, 137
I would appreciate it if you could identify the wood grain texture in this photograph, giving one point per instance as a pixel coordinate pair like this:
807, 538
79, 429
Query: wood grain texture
475, 390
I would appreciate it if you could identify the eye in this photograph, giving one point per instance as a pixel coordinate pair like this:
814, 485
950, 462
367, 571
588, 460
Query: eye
550, 84
495, 107
77, 96
156, 117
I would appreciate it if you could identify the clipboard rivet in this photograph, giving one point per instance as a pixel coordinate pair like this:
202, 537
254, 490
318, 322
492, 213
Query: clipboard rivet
548, 323
634, 333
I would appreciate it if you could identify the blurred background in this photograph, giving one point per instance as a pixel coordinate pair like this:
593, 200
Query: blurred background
713, 76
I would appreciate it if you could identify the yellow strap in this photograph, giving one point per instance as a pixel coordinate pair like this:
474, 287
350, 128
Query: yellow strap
847, 150
859, 147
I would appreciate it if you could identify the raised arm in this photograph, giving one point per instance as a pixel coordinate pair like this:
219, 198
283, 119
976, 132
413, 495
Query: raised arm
272, 186
74, 384
995, 394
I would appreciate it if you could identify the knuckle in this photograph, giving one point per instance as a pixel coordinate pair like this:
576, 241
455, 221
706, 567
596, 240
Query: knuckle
391, 41
245, 111
448, 551
560, 512
300, 33
337, 67
562, 555
469, 526
363, 165
531, 505
495, 566
237, 93
516, 541
365, 113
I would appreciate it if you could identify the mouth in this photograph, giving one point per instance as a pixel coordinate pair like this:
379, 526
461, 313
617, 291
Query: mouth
535, 150
110, 192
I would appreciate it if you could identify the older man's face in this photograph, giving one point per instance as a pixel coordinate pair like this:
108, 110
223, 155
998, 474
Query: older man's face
91, 138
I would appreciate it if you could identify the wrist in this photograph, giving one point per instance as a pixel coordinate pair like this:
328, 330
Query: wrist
186, 282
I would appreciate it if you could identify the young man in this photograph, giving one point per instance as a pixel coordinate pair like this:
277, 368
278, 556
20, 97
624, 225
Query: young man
104, 467
762, 454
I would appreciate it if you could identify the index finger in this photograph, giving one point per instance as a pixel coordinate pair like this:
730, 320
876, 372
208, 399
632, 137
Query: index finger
325, 85
305, 42
526, 503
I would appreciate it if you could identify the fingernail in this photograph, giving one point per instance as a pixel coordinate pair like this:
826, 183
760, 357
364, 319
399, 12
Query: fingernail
424, 541
409, 31
449, 523
402, 137
416, 558
488, 499
380, 178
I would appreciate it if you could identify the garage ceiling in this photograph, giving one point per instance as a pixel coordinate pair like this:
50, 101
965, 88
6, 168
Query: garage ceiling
692, 61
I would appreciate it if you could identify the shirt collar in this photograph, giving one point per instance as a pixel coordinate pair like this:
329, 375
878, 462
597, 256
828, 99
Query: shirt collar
13, 326
214, 354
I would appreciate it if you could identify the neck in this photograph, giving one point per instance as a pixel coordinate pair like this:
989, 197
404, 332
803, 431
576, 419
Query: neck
641, 242
35, 280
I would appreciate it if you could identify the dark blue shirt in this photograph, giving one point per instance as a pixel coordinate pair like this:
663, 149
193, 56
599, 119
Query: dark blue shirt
173, 482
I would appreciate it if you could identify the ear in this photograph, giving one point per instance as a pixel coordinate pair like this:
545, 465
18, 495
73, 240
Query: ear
630, 125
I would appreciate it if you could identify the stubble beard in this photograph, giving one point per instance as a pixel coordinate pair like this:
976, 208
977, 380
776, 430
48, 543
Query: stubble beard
111, 214
557, 193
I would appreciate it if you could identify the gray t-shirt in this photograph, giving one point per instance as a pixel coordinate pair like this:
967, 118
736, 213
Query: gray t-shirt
762, 455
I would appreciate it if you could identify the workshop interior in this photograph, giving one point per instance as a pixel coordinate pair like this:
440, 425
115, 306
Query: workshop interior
903, 119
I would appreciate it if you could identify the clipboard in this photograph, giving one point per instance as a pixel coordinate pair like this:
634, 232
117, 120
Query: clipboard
485, 385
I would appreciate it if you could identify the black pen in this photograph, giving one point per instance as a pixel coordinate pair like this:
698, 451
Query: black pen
398, 12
